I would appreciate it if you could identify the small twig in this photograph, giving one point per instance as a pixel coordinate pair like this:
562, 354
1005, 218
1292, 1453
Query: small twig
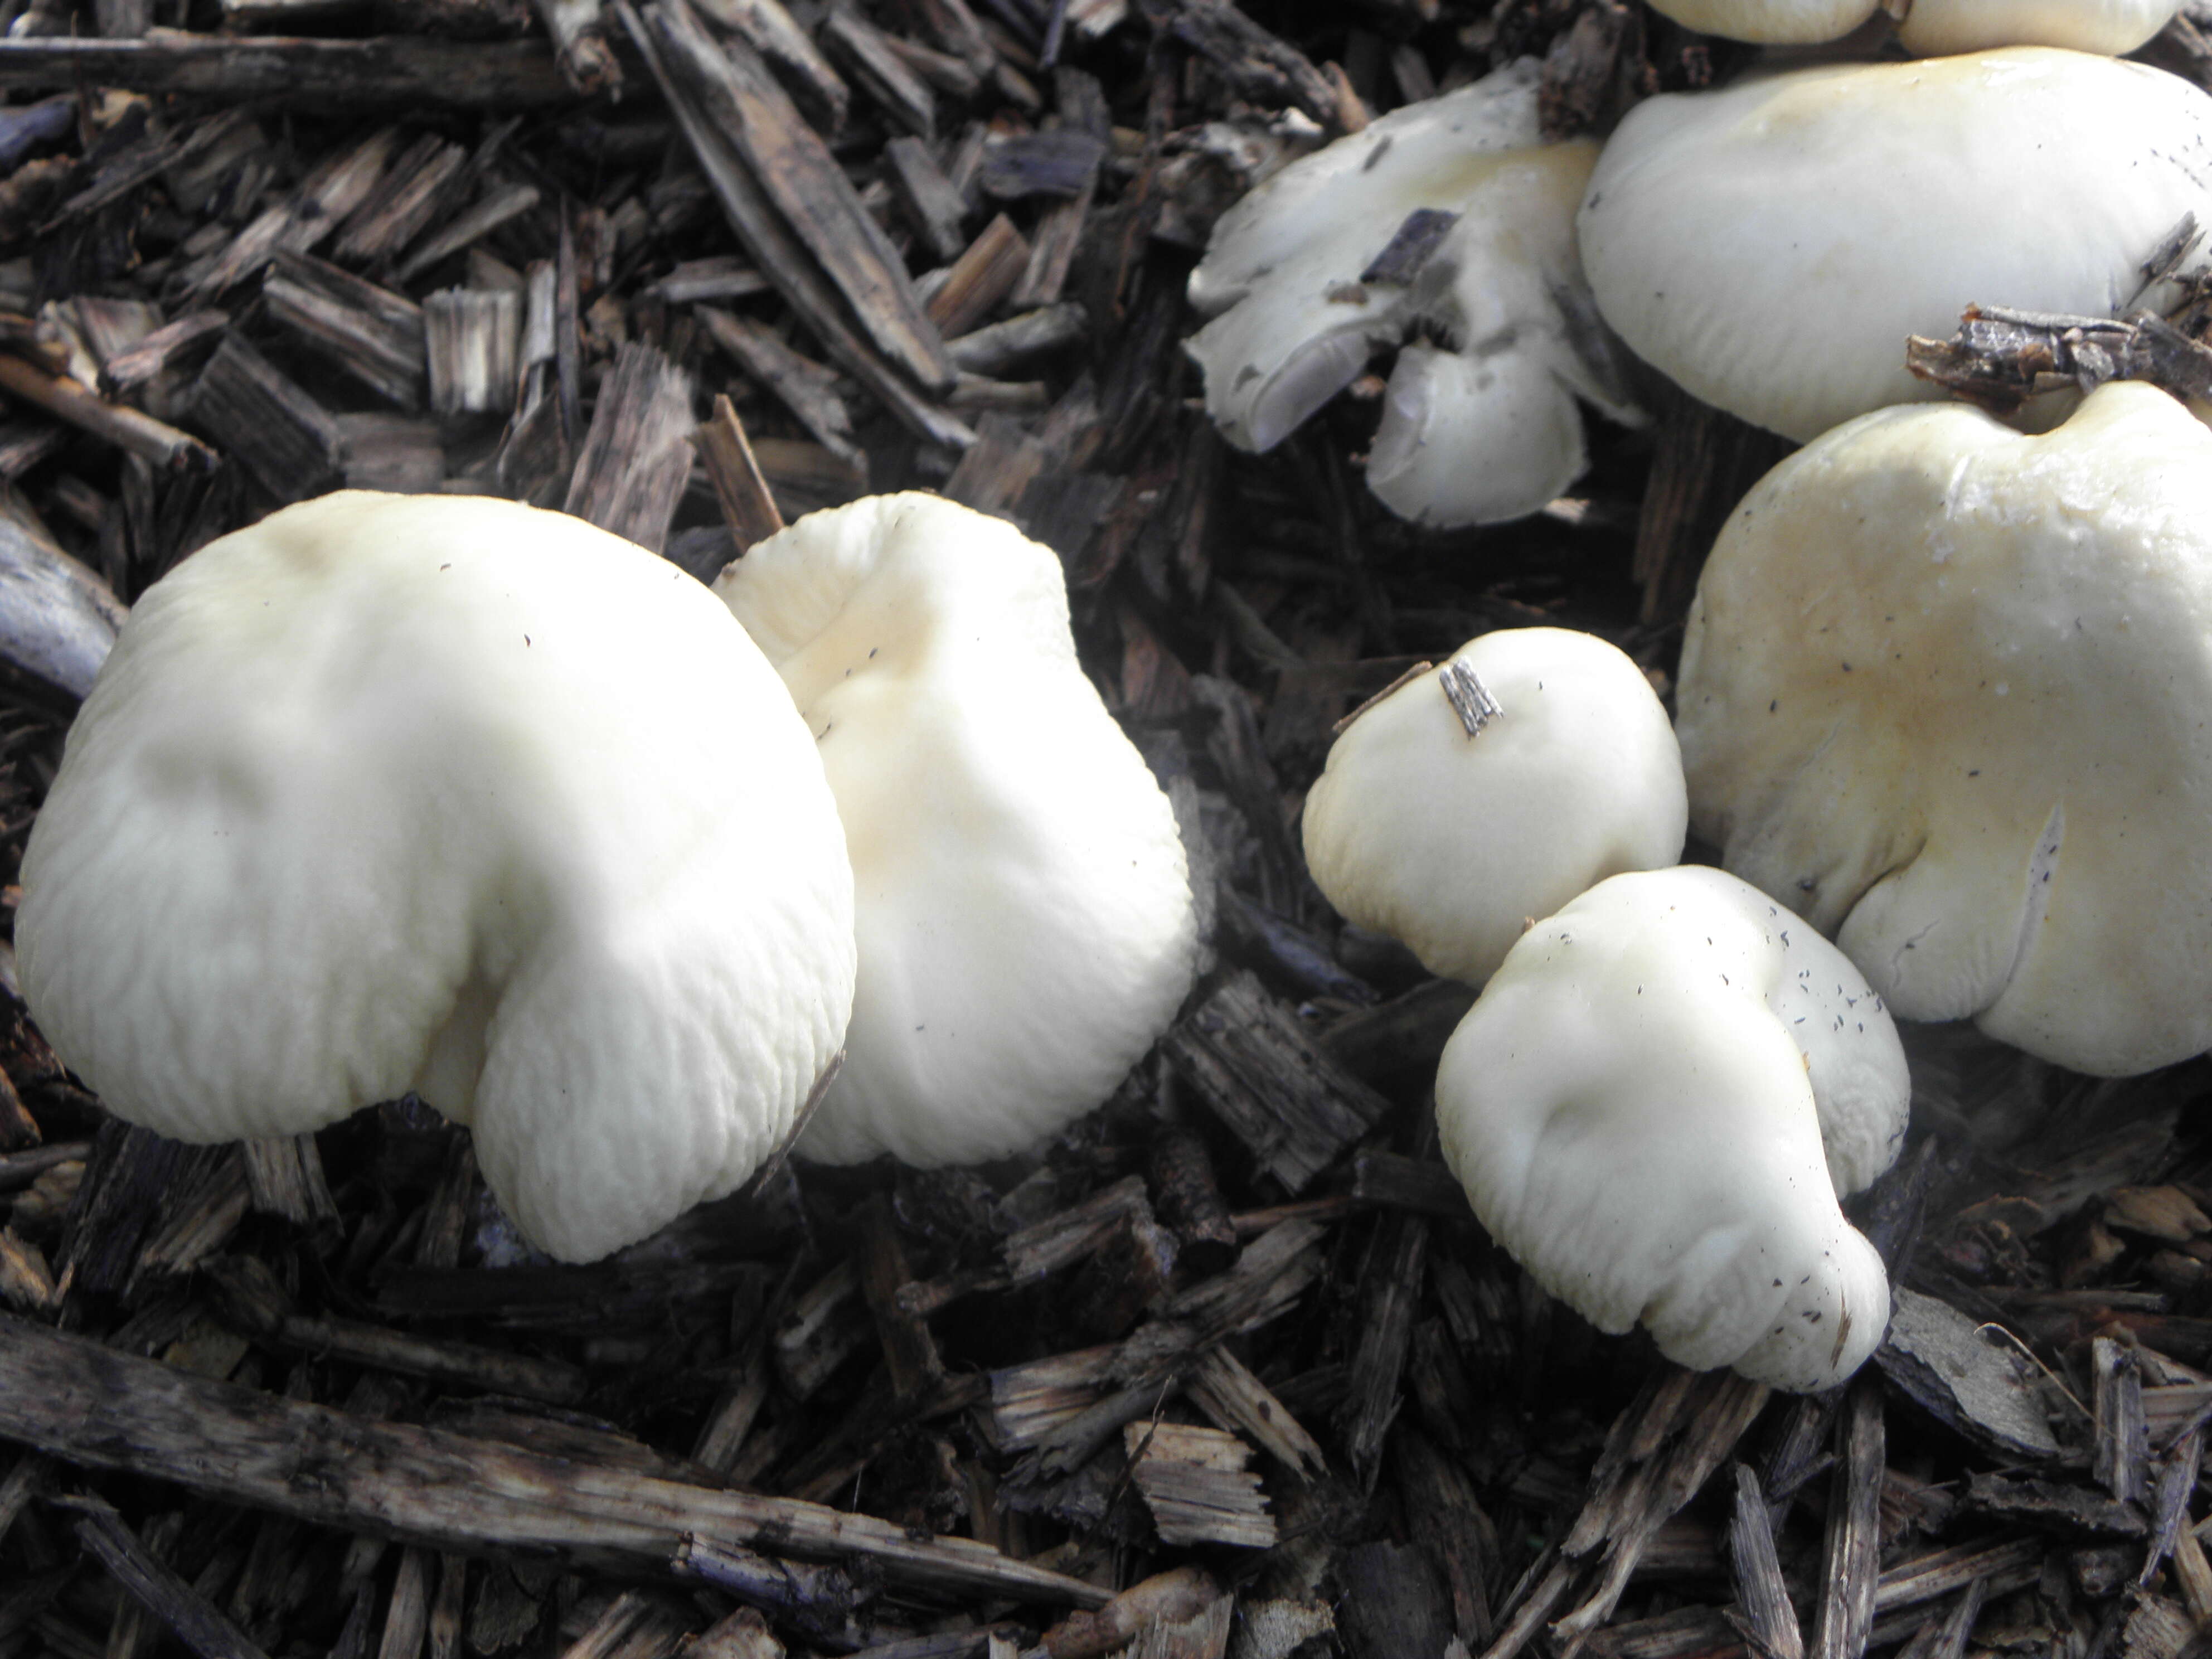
1470, 697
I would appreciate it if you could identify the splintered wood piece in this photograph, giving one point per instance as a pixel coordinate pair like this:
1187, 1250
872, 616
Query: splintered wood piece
993, 263
400, 454
153, 355
1225, 1389
744, 1635
473, 339
140, 163
826, 1325
686, 63
1000, 346
1925, 1578
794, 171
1191, 1201
1004, 462
2175, 1486
324, 200
1470, 699
1060, 1240
1058, 161
868, 54
1197, 1484
637, 458
722, 277
285, 1177
748, 505
94, 1406
817, 1601
1283, 1097
196, 1621
2120, 1459
1394, 1602
1029, 1400
373, 334
804, 386
909, 1352
1166, 1598
1261, 66
320, 75
406, 201
1999, 359
1769, 1619
1203, 1635
771, 31
494, 207
1052, 251
1389, 1284
634, 1625
580, 44
266, 420
129, 431
1395, 1181
130, 1173
26, 1281
937, 210
1852, 1550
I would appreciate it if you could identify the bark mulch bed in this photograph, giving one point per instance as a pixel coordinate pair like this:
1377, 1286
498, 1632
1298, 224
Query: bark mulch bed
1229, 1369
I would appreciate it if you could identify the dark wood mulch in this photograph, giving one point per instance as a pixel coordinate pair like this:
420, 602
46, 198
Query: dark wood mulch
1227, 1368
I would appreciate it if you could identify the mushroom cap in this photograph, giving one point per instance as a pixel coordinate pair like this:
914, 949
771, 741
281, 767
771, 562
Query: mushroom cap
1944, 688
1451, 842
1638, 1106
392, 792
1485, 431
1939, 27
1772, 22
1022, 905
1771, 246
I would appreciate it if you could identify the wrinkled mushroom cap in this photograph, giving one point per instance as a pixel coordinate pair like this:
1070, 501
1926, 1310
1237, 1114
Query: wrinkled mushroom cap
1945, 690
1771, 246
1485, 430
1936, 27
1637, 1106
1452, 843
1772, 22
1024, 910
450, 795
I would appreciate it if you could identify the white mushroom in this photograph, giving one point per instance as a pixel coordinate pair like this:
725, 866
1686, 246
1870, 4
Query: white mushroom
1935, 27
1655, 1105
1451, 839
1945, 689
1773, 22
1772, 245
450, 795
1023, 906
1485, 429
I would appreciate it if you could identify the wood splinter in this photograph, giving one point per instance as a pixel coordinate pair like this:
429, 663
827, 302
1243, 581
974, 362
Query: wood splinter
1470, 697
735, 472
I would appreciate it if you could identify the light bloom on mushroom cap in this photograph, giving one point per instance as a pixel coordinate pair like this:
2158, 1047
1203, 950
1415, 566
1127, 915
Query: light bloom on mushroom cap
1936, 27
1484, 431
1638, 1106
1945, 688
452, 795
1770, 245
1772, 22
1022, 905
1451, 843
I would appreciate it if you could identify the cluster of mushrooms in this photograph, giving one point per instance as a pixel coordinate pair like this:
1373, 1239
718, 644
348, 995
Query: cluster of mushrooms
641, 880
1946, 690
451, 796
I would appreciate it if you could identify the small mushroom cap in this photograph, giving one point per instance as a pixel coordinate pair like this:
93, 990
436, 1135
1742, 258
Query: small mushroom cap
1771, 246
1933, 28
1484, 431
1451, 843
451, 795
1637, 1106
1771, 22
1945, 687
1024, 909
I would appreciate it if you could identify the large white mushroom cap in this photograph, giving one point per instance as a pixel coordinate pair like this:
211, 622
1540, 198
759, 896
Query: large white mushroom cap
1024, 909
1451, 841
1655, 1105
1946, 690
1771, 246
1936, 27
1485, 428
457, 796
1772, 22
